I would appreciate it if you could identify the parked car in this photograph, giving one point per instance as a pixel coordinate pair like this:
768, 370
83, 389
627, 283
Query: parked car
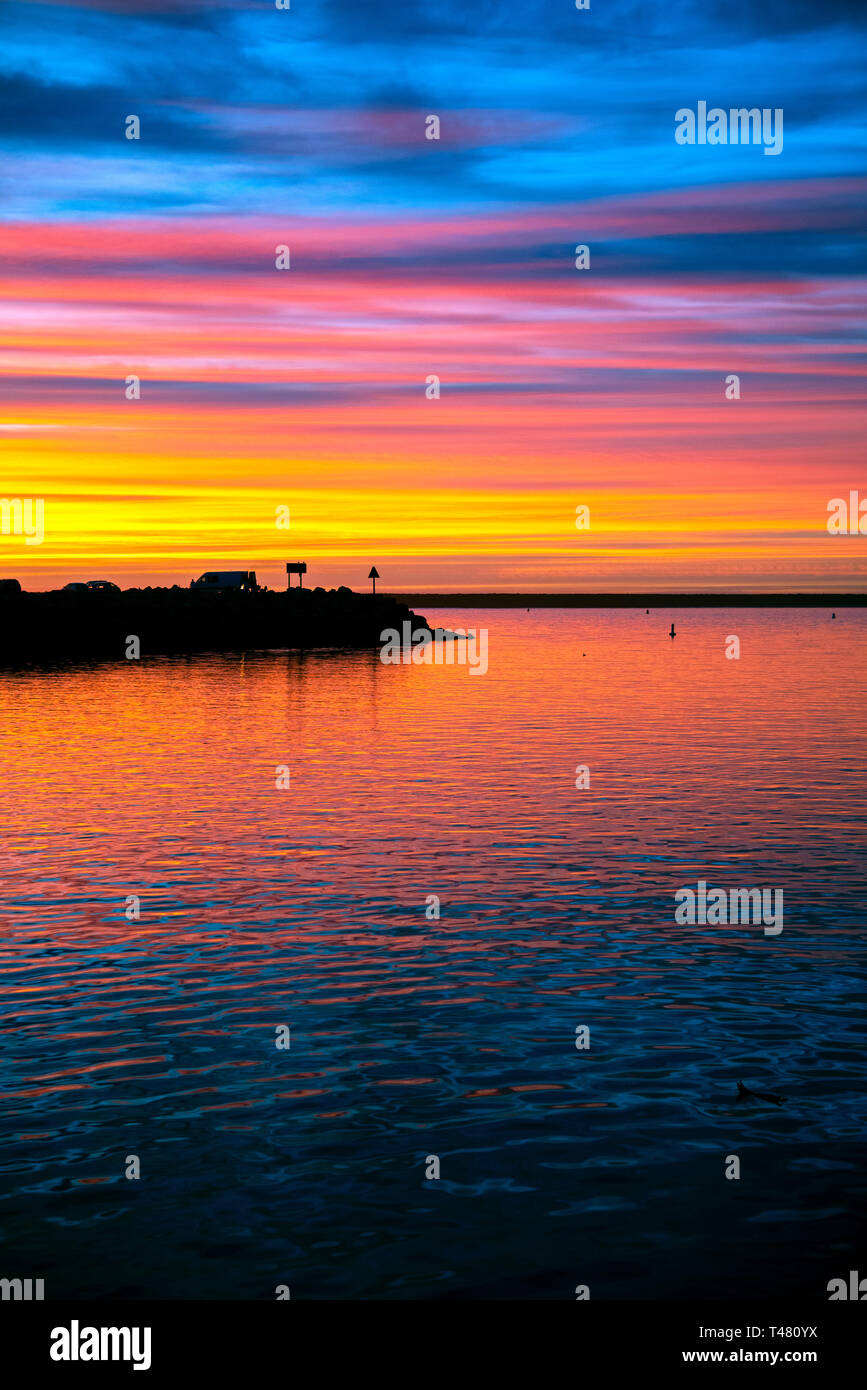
227, 579
103, 585
9, 586
75, 588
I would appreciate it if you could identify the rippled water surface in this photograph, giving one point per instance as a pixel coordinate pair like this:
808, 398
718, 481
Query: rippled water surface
306, 907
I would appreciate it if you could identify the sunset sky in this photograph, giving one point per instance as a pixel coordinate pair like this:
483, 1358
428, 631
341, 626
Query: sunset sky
410, 257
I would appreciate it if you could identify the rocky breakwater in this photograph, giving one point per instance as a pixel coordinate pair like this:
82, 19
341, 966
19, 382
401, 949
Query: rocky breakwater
60, 626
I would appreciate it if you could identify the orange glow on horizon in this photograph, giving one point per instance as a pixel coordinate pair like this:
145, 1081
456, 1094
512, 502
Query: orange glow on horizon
308, 390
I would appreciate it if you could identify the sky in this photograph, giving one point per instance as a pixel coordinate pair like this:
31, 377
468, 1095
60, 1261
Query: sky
309, 388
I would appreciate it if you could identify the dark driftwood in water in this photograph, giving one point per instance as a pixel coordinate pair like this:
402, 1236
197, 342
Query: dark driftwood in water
745, 1093
58, 626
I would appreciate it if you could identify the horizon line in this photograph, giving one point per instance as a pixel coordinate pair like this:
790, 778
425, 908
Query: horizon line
623, 599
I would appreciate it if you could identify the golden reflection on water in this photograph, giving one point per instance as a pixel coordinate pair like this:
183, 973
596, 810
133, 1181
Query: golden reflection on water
306, 906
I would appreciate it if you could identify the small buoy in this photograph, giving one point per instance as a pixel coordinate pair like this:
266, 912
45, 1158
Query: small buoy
647, 610
833, 615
